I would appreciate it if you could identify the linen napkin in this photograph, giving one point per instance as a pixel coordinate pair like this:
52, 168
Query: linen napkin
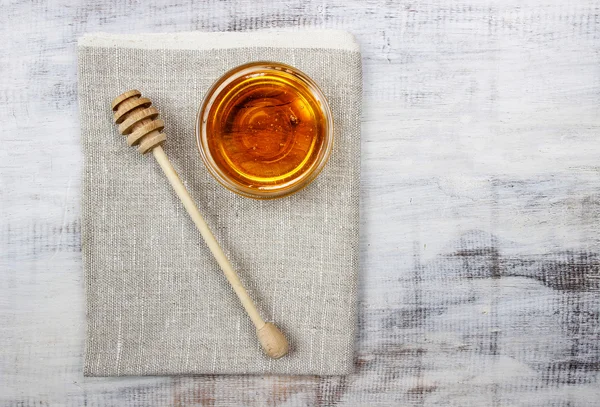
157, 302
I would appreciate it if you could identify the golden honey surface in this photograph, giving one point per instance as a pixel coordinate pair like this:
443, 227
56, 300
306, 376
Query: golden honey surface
265, 128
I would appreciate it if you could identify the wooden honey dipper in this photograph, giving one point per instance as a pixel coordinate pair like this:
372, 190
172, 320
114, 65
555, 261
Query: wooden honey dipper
138, 121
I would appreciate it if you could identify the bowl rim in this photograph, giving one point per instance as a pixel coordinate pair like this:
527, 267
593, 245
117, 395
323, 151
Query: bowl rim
282, 190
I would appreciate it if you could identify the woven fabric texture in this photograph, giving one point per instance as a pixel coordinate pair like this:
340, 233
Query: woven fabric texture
157, 302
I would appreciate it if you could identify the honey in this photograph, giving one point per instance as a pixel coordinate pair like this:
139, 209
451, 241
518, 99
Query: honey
266, 130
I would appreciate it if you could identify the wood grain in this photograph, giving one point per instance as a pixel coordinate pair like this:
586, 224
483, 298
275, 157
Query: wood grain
480, 205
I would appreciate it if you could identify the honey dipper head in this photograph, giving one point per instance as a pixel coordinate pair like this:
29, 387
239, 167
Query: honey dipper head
138, 120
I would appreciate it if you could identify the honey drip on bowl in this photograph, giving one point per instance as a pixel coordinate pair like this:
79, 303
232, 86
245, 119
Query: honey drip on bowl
265, 129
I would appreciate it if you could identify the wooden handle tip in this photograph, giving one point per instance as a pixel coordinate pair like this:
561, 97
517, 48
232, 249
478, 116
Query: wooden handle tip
272, 340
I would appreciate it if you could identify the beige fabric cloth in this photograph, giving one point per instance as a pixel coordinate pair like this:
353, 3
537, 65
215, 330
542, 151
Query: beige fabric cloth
157, 302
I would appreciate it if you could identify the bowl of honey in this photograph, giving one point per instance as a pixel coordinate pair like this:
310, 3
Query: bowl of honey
264, 130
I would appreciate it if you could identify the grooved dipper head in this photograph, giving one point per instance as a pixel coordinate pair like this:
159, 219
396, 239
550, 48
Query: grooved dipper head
138, 120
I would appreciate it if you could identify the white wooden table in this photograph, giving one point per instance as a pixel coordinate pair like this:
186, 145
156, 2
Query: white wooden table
481, 204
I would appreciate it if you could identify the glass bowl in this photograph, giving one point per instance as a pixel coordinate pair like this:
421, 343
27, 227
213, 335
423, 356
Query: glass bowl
264, 130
